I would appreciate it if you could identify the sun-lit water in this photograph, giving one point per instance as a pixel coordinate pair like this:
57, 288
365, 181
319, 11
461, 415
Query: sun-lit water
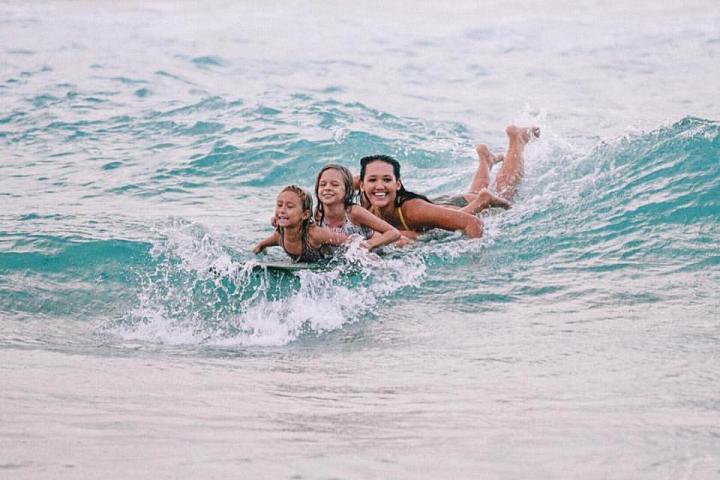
143, 144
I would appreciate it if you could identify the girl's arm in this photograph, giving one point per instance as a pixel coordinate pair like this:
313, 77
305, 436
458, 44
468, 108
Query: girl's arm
320, 236
388, 233
272, 241
407, 237
420, 214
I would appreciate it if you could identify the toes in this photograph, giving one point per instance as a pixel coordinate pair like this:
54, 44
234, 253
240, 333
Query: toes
524, 133
497, 201
482, 150
484, 154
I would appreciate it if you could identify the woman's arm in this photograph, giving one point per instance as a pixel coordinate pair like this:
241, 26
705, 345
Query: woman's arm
272, 241
420, 215
388, 233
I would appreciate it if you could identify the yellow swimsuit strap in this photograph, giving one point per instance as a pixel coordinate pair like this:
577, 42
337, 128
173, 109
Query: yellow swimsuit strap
398, 210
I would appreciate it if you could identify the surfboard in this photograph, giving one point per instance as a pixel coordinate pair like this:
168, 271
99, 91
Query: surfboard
275, 267
288, 267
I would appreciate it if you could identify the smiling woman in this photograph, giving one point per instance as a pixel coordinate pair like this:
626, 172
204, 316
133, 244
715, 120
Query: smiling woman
385, 196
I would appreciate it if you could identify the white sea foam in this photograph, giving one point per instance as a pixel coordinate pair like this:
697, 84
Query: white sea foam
199, 294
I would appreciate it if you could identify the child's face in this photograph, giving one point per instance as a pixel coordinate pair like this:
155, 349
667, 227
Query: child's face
331, 188
288, 210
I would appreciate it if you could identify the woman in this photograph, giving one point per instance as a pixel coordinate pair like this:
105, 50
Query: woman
385, 196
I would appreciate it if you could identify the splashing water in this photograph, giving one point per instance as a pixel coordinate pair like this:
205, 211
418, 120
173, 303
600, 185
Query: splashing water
184, 300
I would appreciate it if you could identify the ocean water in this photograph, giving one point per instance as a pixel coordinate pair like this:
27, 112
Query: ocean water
142, 143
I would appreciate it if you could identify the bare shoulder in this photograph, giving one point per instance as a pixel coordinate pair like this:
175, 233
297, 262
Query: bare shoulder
415, 210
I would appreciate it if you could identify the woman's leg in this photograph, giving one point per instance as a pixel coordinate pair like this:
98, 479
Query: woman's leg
513, 166
478, 196
481, 179
484, 199
509, 176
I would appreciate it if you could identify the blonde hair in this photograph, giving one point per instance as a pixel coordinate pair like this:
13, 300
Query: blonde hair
347, 183
306, 202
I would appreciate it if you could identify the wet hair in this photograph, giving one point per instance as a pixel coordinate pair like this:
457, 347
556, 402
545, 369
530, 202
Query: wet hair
307, 205
402, 195
347, 183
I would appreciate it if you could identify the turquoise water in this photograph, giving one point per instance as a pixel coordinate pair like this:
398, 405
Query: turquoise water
143, 144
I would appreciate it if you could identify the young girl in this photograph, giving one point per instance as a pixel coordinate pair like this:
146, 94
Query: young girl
295, 231
336, 210
386, 197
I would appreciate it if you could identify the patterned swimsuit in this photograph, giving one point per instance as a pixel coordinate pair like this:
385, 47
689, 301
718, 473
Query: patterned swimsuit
308, 255
348, 228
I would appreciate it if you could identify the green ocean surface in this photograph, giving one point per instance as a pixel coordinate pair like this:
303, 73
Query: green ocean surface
141, 150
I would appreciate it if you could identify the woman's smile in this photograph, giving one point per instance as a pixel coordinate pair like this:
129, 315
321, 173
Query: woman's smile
380, 185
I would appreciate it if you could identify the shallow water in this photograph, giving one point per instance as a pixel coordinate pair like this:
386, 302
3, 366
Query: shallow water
142, 144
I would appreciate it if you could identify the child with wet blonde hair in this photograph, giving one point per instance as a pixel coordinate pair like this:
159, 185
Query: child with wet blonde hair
295, 230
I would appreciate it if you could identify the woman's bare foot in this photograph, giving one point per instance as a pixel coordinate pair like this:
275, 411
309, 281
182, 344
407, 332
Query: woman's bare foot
524, 134
489, 199
484, 199
485, 155
511, 172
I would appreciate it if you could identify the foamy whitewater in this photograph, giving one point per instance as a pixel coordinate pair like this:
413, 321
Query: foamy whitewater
142, 145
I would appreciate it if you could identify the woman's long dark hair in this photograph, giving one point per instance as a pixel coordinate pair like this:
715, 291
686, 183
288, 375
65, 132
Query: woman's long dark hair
402, 194
347, 183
